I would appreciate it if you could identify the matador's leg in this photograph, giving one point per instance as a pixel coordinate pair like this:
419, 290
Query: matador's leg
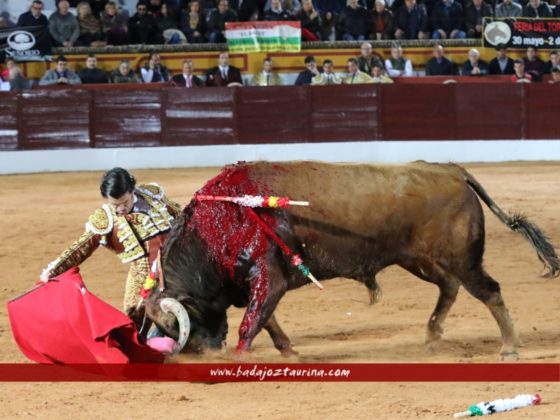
139, 270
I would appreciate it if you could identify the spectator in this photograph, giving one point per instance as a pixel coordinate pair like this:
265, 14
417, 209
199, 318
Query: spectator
153, 71
553, 63
124, 74
113, 25
448, 20
501, 64
292, 7
537, 9
207, 6
17, 80
397, 65
176, 5
90, 28
61, 75
266, 77
9, 63
223, 74
519, 74
329, 11
328, 76
33, 17
187, 78
474, 66
310, 24
366, 60
276, 13
355, 76
306, 76
381, 21
193, 23
353, 22
534, 65
98, 7
154, 7
555, 72
439, 65
411, 21
142, 27
217, 22
166, 19
246, 9
507, 8
474, 13
63, 26
91, 74
169, 27
378, 76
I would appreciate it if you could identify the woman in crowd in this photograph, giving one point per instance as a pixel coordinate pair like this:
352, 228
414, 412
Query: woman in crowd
113, 25
90, 28
193, 23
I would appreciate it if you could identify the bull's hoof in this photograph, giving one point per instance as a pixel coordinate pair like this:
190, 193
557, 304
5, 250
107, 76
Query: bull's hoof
432, 346
374, 295
509, 356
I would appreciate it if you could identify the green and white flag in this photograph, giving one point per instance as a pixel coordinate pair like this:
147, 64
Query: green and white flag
263, 36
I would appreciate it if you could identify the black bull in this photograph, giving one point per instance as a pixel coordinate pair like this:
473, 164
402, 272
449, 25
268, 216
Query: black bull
424, 217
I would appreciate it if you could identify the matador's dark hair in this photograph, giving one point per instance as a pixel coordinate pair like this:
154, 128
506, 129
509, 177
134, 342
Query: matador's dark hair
116, 183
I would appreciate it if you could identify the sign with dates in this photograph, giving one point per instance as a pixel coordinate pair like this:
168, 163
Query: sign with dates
521, 33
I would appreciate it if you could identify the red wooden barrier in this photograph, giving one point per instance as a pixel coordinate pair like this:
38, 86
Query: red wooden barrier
158, 115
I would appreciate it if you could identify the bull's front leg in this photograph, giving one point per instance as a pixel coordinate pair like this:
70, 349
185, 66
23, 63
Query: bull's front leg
268, 285
279, 338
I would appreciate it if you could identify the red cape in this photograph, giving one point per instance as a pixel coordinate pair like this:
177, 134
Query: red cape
62, 322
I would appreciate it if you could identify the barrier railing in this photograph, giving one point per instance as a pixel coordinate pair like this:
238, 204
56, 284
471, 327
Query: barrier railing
155, 115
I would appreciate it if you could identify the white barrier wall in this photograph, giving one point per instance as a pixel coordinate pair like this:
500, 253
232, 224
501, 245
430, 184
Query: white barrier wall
199, 156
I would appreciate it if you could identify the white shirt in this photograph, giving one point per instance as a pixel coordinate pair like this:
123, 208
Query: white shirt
397, 73
224, 72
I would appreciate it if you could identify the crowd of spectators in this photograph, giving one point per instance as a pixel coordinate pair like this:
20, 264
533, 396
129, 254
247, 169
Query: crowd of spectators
101, 22
365, 68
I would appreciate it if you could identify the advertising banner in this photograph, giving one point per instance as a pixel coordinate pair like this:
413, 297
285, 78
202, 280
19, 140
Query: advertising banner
521, 32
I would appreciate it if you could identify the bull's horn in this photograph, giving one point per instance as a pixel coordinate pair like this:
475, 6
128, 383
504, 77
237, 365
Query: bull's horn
172, 305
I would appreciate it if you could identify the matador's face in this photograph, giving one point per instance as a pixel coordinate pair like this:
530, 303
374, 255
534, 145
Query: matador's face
122, 205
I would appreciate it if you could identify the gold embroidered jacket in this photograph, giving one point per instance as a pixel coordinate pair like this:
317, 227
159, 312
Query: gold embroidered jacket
125, 235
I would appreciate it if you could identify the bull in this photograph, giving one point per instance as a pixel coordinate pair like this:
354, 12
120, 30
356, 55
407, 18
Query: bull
426, 218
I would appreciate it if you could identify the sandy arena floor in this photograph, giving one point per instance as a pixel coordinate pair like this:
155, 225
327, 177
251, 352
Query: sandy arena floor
41, 214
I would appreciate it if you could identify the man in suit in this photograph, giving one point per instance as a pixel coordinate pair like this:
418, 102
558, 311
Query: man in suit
33, 17
501, 64
187, 79
223, 74
438, 65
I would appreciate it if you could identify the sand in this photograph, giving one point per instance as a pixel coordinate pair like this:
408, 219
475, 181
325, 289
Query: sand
41, 214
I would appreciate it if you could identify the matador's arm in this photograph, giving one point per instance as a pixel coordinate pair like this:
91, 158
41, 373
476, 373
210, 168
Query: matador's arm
98, 226
74, 255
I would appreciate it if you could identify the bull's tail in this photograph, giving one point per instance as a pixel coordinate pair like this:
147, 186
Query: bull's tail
519, 223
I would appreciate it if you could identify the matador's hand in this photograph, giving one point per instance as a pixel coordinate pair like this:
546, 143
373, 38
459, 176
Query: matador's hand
45, 276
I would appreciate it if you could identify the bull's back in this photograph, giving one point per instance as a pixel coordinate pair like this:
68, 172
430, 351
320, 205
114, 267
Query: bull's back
365, 198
